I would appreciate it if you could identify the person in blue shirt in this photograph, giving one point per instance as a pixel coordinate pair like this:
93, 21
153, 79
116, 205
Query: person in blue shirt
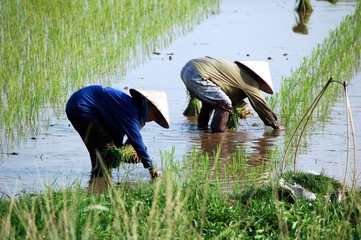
103, 116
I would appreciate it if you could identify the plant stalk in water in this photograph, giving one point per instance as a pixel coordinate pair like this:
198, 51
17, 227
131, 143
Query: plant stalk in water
194, 106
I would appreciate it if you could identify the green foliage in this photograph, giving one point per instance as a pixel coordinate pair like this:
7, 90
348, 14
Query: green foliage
193, 108
51, 48
337, 56
182, 204
317, 183
114, 156
189, 202
239, 112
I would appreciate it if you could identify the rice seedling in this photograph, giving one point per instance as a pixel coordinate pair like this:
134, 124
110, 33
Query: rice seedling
114, 156
188, 202
51, 49
194, 106
301, 23
332, 1
337, 56
239, 112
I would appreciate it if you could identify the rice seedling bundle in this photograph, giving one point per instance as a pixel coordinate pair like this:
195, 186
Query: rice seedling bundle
114, 156
239, 112
193, 108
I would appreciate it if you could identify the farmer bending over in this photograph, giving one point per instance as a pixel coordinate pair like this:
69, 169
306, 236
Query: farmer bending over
103, 116
221, 85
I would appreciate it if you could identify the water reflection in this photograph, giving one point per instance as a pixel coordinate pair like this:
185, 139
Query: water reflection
242, 154
262, 146
231, 141
302, 20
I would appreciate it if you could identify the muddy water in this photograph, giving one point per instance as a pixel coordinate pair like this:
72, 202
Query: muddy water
261, 29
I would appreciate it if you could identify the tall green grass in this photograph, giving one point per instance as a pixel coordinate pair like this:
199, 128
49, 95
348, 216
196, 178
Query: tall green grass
183, 204
50, 48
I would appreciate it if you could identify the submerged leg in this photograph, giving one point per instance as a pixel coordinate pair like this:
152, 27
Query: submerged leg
220, 117
94, 136
204, 116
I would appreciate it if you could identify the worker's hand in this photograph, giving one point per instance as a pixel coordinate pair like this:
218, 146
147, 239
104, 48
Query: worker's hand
154, 173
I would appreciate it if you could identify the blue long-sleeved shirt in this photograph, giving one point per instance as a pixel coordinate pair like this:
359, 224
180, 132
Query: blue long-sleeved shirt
120, 114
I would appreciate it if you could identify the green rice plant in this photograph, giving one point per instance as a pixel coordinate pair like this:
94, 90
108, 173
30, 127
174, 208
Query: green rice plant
114, 156
194, 106
337, 56
239, 112
50, 49
317, 183
332, 1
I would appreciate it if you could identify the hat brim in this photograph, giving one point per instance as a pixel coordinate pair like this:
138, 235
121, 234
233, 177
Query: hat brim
260, 69
161, 119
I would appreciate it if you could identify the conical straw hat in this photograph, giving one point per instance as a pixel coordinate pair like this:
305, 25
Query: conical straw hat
159, 101
261, 69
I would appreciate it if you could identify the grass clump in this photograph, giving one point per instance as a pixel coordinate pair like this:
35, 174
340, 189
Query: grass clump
317, 183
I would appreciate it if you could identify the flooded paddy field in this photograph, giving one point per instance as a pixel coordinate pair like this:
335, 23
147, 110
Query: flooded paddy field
244, 30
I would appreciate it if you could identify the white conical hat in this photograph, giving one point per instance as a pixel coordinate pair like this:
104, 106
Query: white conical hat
261, 69
159, 101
